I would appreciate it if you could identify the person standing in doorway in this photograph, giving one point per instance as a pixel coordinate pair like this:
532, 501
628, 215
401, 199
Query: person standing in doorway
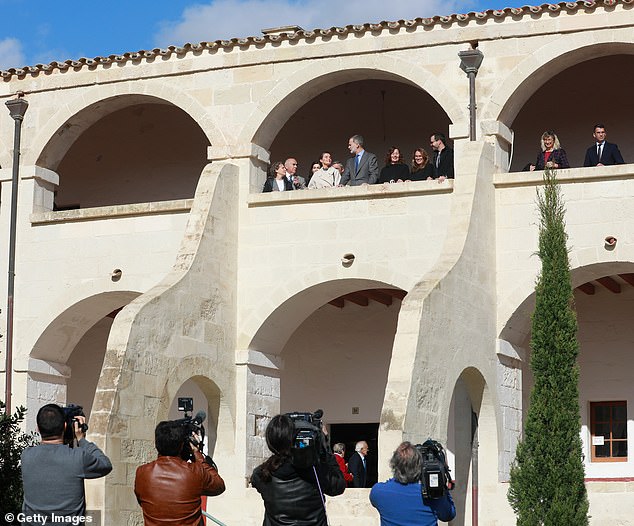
357, 465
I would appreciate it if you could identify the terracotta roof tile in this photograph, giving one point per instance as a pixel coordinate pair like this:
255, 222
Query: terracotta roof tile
305, 34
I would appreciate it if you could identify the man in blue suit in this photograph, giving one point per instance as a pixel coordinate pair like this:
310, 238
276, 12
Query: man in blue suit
602, 153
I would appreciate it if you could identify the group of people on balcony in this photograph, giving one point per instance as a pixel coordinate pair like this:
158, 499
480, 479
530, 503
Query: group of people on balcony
552, 155
363, 168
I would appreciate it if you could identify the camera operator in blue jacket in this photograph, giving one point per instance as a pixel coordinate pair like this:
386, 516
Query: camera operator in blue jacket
399, 500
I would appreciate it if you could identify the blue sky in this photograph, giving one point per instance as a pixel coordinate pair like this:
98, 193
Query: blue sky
40, 31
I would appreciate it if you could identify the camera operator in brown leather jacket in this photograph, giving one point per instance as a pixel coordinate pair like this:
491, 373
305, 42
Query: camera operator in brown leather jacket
169, 489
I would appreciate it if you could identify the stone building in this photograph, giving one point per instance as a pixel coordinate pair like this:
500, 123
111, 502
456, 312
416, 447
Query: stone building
149, 265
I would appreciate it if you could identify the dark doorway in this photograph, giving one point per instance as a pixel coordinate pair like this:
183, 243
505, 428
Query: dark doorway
350, 434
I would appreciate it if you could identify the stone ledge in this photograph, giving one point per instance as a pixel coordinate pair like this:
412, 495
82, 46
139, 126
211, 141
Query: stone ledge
348, 193
569, 175
109, 212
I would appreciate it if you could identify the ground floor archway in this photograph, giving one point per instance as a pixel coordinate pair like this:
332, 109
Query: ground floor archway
336, 358
66, 361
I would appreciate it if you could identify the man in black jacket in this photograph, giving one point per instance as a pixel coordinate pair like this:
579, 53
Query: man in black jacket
443, 157
357, 465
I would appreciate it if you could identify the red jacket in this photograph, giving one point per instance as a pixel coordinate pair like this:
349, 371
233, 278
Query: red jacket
169, 490
347, 476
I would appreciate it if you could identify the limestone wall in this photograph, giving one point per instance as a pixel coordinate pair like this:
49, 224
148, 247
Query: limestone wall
221, 310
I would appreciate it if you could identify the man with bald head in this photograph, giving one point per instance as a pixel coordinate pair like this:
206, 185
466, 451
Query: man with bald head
298, 182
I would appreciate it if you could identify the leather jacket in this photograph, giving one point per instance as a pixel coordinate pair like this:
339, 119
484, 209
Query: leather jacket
169, 490
292, 497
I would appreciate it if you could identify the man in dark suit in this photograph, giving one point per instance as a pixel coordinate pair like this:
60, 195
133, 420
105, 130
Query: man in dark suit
362, 168
297, 181
602, 153
357, 465
443, 157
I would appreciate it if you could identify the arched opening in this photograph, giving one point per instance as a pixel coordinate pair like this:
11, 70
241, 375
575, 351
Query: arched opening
123, 150
205, 397
386, 109
574, 84
67, 359
472, 445
604, 303
335, 357
605, 309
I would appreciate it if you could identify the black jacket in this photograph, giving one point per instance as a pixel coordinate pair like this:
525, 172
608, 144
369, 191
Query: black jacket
292, 496
445, 167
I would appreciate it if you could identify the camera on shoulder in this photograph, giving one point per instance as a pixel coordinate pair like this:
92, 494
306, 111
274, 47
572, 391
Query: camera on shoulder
310, 445
435, 477
71, 412
193, 428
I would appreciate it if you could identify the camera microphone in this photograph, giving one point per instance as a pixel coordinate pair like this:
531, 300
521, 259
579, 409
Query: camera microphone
318, 414
199, 418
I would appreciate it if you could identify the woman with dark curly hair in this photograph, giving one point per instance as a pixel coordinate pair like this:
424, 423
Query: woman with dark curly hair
395, 170
292, 494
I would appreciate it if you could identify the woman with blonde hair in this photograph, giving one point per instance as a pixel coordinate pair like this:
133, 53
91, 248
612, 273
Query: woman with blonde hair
552, 154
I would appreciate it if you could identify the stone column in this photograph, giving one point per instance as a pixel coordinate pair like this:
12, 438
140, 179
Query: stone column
258, 399
509, 373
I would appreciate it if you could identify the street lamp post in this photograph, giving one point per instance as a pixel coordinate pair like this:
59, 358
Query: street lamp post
17, 109
470, 62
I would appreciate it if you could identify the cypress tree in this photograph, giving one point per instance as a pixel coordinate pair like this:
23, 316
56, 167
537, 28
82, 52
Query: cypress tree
12, 442
547, 479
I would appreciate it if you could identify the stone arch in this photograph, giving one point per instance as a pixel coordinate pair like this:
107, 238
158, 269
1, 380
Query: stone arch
61, 334
287, 97
219, 423
65, 363
288, 363
538, 67
472, 415
272, 324
102, 100
516, 328
604, 359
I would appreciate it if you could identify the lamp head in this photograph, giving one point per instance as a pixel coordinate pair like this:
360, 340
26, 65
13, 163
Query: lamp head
470, 60
17, 107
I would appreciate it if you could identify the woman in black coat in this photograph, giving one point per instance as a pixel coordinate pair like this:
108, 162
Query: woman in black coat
291, 494
277, 182
395, 171
421, 169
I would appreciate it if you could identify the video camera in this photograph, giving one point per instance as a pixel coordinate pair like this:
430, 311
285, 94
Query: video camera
310, 445
435, 477
193, 426
71, 412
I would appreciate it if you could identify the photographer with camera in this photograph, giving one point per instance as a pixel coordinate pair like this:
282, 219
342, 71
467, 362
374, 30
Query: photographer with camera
169, 489
53, 472
405, 500
295, 478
